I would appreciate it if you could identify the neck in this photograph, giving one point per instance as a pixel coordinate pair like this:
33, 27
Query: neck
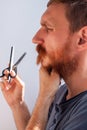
77, 81
76, 84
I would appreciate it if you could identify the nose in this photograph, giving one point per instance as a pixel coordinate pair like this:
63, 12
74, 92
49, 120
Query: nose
38, 38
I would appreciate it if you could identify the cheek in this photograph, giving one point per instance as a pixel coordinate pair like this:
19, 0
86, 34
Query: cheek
54, 50
55, 42
51, 45
54, 55
55, 46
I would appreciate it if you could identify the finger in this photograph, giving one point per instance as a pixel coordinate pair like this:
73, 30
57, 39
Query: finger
43, 70
6, 72
2, 85
5, 77
5, 84
54, 74
12, 73
18, 81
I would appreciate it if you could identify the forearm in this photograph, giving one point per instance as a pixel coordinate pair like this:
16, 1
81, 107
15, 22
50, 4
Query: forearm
48, 87
21, 115
39, 116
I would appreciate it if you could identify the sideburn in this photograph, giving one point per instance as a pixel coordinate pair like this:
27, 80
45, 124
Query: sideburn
69, 61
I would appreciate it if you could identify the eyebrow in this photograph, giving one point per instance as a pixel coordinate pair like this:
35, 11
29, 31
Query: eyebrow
46, 23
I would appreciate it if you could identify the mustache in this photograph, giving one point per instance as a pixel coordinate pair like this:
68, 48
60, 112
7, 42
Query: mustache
40, 49
41, 53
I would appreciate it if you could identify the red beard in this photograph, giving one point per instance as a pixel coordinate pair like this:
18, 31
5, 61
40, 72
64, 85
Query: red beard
64, 65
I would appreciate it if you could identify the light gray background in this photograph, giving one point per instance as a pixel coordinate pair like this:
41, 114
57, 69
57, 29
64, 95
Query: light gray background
19, 20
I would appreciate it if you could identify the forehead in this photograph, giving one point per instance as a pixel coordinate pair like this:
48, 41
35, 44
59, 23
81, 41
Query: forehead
55, 13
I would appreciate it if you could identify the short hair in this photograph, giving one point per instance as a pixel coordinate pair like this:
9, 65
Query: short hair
76, 12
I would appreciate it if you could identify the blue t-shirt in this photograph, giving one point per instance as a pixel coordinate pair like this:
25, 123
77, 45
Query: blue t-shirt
68, 114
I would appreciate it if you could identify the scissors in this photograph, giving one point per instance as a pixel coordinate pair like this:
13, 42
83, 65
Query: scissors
11, 66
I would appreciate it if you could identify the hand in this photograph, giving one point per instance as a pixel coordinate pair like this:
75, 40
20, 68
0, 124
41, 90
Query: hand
48, 83
13, 91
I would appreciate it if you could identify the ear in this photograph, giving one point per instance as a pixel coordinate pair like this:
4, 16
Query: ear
82, 43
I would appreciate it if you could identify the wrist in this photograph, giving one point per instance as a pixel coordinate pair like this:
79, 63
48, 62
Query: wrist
45, 100
17, 105
46, 97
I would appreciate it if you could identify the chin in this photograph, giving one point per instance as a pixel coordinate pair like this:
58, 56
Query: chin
47, 66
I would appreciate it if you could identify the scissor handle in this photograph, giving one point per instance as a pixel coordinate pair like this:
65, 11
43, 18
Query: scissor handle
9, 75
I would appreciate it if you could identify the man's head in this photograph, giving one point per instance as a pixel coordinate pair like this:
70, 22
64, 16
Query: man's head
59, 40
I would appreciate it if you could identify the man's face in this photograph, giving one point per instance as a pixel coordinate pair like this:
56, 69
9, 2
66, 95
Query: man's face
55, 41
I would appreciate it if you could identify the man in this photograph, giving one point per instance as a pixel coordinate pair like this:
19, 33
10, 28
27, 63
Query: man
62, 48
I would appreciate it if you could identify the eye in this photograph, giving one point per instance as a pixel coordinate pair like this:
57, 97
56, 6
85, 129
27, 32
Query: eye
49, 29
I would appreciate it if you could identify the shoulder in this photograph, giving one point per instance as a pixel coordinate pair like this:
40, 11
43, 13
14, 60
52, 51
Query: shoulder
78, 114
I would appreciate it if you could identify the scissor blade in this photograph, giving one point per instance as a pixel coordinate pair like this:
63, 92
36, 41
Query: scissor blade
11, 58
11, 61
19, 60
